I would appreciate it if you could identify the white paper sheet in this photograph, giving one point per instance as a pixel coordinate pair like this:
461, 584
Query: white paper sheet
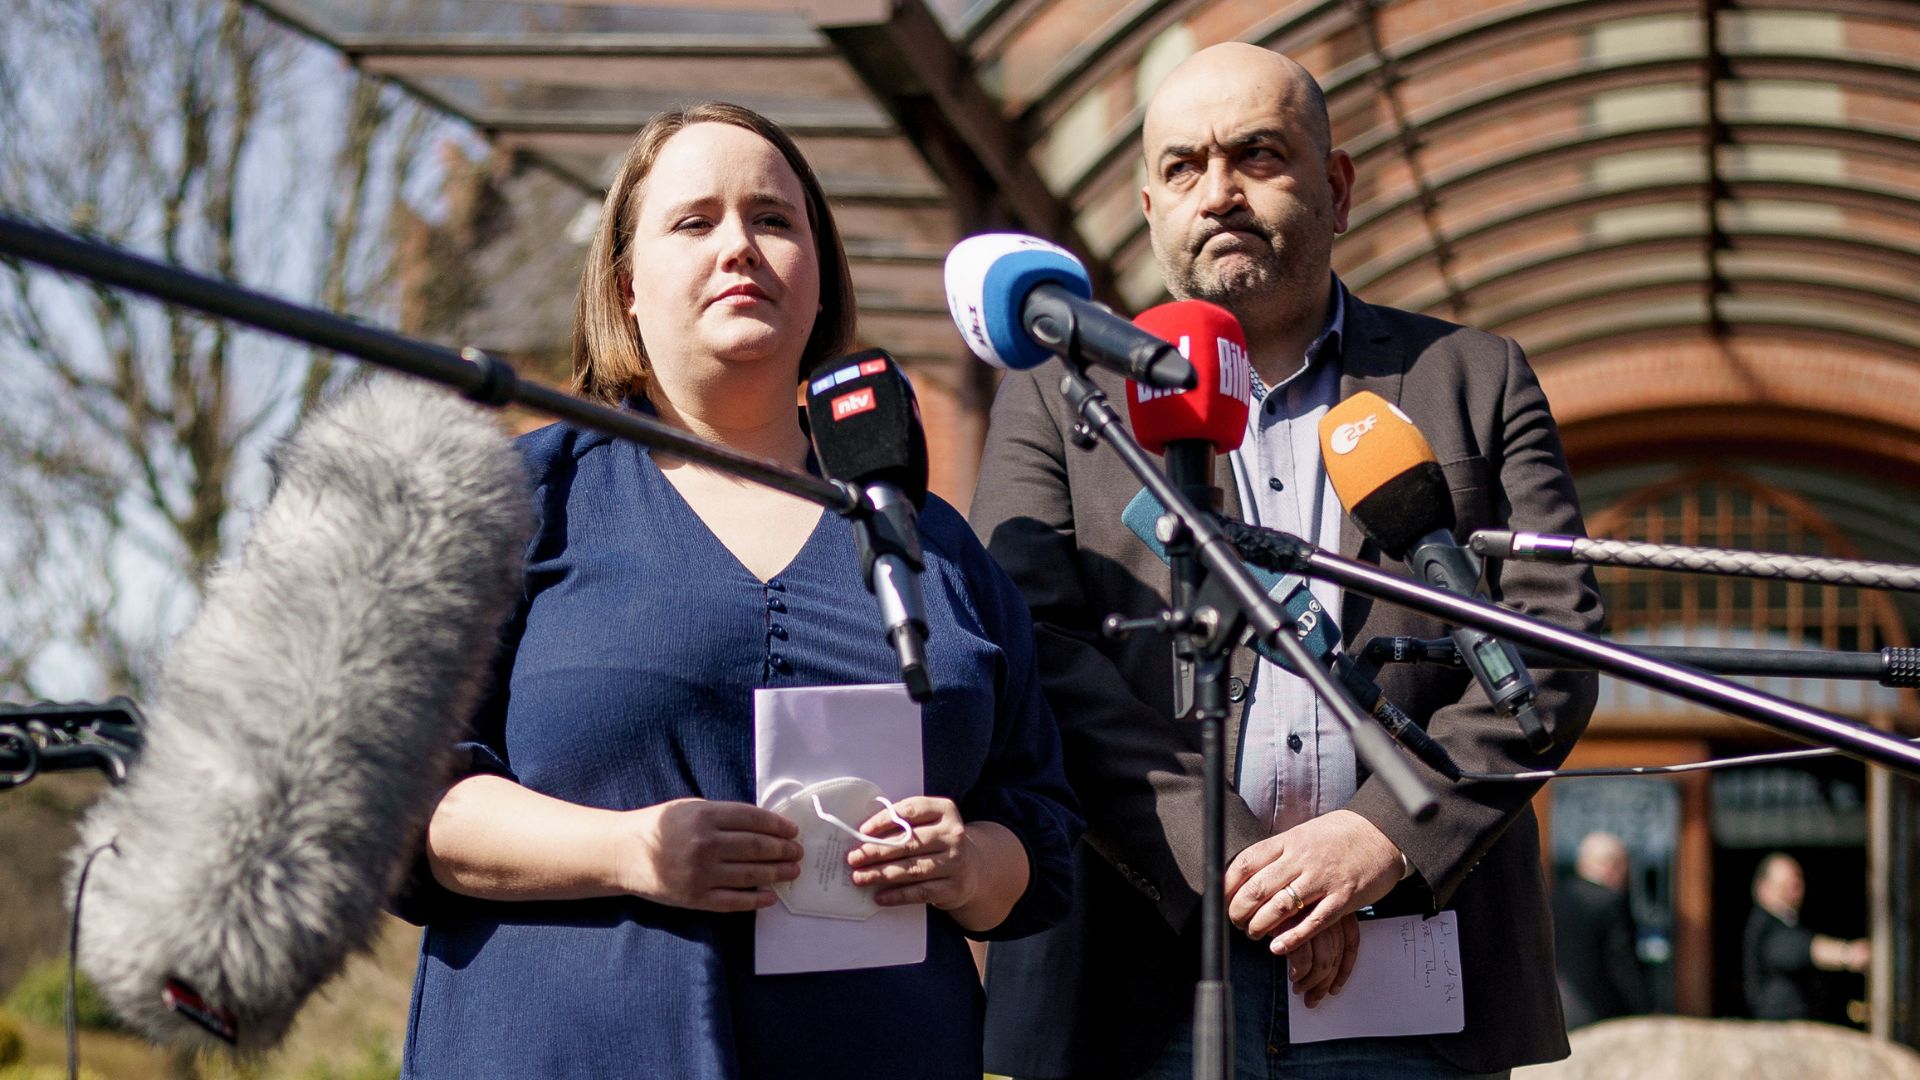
817, 733
1405, 982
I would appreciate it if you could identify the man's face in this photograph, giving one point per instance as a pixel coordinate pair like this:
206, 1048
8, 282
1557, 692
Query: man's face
1784, 886
1240, 203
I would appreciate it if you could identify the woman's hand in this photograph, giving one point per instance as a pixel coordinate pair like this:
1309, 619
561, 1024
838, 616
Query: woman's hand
974, 872
705, 855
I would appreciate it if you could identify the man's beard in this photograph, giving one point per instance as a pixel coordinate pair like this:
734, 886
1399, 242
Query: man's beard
1266, 280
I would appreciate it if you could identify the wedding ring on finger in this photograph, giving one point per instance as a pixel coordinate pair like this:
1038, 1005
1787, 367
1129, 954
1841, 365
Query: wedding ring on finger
1291, 897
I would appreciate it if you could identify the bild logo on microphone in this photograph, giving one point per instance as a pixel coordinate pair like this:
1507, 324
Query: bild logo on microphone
1347, 436
1235, 377
853, 404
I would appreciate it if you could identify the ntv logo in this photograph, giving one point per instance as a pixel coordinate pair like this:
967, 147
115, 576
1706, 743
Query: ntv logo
1236, 374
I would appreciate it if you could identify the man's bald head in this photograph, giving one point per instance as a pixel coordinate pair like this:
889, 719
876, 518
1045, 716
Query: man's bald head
1237, 69
1602, 859
1244, 196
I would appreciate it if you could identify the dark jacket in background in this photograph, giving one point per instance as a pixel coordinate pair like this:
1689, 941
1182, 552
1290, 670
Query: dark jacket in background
1780, 979
1593, 943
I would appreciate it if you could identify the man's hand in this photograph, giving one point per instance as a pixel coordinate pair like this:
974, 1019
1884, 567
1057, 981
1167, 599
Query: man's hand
1321, 966
1308, 878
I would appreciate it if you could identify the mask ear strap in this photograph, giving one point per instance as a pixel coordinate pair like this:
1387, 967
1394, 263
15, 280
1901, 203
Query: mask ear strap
902, 840
768, 799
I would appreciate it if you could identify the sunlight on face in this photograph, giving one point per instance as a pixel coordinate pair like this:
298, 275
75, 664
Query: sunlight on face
725, 271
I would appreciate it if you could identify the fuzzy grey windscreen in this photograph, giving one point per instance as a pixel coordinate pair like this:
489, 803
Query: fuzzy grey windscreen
306, 718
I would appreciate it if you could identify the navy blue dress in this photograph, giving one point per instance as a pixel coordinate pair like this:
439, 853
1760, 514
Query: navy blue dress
628, 680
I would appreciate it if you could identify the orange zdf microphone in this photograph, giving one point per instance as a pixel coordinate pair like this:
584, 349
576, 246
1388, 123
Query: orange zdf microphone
1190, 426
1390, 482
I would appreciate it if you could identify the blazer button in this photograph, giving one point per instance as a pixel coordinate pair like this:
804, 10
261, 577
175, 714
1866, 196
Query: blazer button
1236, 689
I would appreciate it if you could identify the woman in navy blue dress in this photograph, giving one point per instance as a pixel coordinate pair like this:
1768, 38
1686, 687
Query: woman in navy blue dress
592, 877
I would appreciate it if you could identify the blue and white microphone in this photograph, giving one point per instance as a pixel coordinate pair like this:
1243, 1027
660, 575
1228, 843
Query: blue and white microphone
1019, 300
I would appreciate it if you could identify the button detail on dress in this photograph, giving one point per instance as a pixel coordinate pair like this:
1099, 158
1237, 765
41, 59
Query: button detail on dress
1274, 483
1294, 744
777, 631
1236, 689
778, 662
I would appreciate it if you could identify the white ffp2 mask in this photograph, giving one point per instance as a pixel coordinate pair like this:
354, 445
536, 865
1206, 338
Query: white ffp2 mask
829, 814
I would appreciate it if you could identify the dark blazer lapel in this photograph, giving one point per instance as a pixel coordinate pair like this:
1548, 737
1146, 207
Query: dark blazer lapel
1369, 361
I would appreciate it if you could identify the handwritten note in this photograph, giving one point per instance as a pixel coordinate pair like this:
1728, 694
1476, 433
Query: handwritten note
1406, 981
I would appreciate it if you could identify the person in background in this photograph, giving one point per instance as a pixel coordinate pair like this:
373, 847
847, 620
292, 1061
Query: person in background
1785, 963
1594, 937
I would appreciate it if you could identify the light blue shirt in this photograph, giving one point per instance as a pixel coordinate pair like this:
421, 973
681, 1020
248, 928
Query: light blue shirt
1296, 761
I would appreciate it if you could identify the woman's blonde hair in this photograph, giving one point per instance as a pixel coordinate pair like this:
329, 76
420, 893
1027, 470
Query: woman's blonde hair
609, 359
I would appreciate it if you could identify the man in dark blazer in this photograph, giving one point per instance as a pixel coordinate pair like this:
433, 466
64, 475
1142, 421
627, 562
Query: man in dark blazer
1244, 197
1594, 937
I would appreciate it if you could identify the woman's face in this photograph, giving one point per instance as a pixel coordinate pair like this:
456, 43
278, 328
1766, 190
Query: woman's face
724, 263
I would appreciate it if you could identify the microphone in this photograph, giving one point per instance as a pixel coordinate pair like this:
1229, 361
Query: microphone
1018, 300
865, 426
306, 720
1190, 426
1312, 626
1388, 479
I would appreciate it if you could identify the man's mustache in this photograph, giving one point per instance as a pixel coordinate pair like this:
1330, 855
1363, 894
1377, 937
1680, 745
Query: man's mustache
1236, 222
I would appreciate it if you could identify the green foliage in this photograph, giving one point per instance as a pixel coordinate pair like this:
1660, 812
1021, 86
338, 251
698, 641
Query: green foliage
41, 998
376, 1062
43, 1072
12, 1045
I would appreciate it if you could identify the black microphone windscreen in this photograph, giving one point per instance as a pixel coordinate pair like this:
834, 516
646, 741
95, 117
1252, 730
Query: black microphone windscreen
865, 424
1404, 508
306, 718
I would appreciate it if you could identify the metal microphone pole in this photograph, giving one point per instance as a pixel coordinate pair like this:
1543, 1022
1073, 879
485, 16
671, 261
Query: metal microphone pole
1894, 666
1228, 599
477, 376
1642, 555
1292, 555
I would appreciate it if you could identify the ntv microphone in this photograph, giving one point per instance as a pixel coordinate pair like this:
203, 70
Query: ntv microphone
1391, 485
865, 425
306, 720
1019, 300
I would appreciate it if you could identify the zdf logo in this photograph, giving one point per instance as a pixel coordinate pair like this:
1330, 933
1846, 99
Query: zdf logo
1347, 436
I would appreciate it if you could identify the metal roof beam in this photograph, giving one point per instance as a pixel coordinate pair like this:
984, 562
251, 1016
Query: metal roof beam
1390, 264
1593, 144
1855, 248
1783, 323
924, 80
1842, 296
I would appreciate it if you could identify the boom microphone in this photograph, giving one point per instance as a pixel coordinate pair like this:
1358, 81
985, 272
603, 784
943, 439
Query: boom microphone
1388, 479
306, 720
865, 425
1019, 300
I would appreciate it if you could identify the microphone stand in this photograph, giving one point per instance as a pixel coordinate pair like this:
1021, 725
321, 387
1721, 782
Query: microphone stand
1289, 554
46, 737
478, 377
1222, 599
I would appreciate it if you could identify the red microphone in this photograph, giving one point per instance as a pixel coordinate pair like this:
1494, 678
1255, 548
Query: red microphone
1190, 426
